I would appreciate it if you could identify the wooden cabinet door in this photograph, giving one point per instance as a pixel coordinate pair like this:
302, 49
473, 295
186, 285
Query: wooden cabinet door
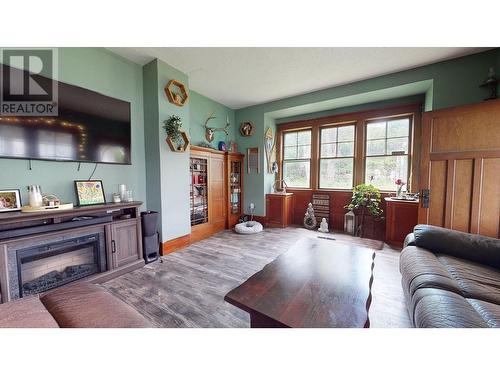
279, 210
401, 217
125, 247
460, 167
217, 193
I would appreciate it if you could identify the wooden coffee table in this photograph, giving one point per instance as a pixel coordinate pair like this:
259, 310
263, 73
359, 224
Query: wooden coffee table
317, 283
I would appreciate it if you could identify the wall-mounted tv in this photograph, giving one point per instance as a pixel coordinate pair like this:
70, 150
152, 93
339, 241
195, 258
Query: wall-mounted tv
90, 127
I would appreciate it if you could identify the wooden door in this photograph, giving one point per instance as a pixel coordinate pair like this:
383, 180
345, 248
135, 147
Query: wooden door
217, 193
125, 246
460, 166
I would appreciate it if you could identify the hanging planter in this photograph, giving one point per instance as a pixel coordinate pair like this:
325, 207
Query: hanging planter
177, 139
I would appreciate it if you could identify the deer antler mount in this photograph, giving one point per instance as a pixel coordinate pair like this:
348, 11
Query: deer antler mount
210, 132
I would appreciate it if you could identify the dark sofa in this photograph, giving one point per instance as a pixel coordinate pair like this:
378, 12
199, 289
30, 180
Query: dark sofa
451, 278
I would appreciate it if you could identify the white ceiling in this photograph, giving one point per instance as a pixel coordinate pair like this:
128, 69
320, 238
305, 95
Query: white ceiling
241, 77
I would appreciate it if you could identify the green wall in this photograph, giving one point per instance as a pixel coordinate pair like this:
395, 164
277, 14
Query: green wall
99, 70
356, 108
167, 171
151, 137
445, 84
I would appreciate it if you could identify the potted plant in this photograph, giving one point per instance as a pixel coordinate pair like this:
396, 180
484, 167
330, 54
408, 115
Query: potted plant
366, 199
176, 138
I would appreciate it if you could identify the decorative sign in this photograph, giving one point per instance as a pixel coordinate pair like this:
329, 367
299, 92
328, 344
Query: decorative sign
321, 205
269, 146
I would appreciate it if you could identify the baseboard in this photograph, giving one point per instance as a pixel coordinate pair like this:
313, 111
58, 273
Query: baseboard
175, 244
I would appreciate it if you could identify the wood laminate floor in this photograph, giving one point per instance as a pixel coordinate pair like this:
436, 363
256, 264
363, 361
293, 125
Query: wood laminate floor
188, 288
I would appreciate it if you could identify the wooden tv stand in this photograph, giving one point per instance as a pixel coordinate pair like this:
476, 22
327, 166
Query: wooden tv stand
120, 224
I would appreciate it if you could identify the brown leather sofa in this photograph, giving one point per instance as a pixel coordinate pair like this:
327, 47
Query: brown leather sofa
79, 305
451, 278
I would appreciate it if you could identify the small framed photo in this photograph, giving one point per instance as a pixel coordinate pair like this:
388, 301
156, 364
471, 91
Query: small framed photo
89, 192
233, 147
10, 200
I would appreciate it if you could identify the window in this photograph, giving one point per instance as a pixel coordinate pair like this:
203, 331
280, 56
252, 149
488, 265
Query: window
297, 158
387, 144
324, 153
336, 160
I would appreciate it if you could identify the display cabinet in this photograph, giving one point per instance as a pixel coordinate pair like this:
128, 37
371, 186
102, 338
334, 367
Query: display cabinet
198, 167
235, 188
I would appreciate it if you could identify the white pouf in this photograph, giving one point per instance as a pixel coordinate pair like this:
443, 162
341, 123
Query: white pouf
249, 227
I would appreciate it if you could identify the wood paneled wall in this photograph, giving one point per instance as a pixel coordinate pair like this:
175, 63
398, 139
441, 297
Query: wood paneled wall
461, 167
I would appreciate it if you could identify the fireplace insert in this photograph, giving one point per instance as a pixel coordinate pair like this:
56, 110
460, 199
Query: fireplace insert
49, 266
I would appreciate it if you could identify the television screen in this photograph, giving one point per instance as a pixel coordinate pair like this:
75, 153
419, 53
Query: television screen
90, 127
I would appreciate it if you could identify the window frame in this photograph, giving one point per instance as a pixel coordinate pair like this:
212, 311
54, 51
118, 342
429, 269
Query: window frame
409, 153
359, 119
283, 160
353, 157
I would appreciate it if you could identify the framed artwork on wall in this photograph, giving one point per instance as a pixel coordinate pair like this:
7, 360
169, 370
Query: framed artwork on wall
89, 192
10, 200
247, 129
253, 160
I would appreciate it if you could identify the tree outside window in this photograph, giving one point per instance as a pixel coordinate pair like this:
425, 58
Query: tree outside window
297, 158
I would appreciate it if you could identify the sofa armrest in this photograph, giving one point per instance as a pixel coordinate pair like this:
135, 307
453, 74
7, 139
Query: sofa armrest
473, 247
409, 240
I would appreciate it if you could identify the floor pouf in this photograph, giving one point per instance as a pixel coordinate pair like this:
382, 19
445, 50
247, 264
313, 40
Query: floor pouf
248, 227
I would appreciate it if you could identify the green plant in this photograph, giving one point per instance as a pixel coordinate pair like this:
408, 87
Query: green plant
172, 127
365, 198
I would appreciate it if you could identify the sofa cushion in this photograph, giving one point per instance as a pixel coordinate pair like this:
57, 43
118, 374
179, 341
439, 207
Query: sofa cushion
27, 312
473, 247
475, 280
489, 312
437, 308
85, 305
421, 268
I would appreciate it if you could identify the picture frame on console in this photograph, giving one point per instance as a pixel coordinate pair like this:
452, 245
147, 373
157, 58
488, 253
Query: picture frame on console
89, 192
10, 200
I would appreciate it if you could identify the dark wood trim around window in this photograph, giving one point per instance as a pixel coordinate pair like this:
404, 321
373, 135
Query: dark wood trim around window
359, 119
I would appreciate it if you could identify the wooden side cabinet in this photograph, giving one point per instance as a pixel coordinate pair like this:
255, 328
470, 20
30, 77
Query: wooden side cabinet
279, 209
401, 217
125, 243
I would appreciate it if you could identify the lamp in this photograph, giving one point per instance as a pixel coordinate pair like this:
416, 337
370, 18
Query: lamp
350, 222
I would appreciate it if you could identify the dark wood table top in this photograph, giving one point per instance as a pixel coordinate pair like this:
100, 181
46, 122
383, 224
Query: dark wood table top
317, 283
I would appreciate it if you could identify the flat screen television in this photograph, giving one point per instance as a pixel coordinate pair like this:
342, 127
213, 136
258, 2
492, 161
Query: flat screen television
90, 127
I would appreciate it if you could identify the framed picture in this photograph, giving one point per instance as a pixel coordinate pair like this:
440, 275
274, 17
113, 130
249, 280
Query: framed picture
10, 200
233, 147
89, 192
253, 160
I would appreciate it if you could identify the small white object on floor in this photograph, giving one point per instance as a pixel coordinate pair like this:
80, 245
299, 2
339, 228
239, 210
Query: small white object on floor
323, 227
248, 227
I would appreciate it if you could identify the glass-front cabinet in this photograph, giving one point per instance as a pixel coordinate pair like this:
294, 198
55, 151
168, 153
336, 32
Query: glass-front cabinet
198, 167
216, 193
235, 188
